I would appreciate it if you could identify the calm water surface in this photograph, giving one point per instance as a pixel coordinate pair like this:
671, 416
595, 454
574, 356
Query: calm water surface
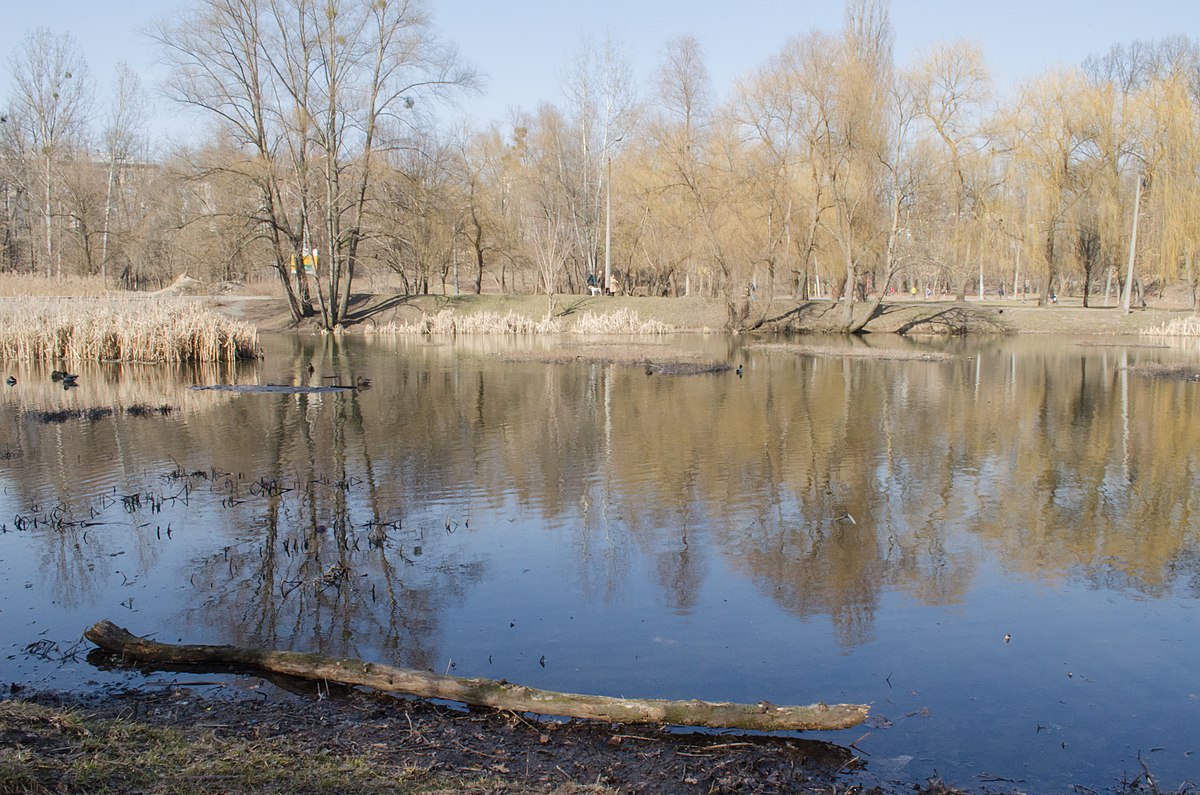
998, 552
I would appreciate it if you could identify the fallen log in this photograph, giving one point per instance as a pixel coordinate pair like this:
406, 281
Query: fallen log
498, 694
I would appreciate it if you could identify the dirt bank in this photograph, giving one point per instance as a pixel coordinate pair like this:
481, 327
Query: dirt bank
374, 312
178, 740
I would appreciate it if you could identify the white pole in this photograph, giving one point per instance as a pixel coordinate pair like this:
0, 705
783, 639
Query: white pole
1137, 201
608, 228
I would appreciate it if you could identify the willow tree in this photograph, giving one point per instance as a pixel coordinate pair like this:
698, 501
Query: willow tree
1168, 148
310, 94
853, 141
1048, 141
666, 176
953, 86
693, 198
785, 119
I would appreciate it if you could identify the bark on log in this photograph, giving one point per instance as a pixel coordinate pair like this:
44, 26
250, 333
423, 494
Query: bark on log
499, 694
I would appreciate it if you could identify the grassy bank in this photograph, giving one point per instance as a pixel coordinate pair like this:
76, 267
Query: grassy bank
141, 329
530, 314
53, 750
176, 740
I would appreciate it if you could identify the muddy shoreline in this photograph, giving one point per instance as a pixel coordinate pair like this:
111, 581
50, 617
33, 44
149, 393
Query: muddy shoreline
371, 312
429, 746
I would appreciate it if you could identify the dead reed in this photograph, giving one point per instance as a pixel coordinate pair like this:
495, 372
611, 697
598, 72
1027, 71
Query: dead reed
447, 321
21, 285
622, 321
121, 329
1186, 326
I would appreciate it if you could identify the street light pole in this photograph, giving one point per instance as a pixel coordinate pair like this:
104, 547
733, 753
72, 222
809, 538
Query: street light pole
608, 219
608, 228
1137, 202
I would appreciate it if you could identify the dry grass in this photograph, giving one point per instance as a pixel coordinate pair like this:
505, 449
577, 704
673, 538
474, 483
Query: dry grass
48, 750
622, 321
21, 285
1187, 326
447, 321
451, 322
125, 329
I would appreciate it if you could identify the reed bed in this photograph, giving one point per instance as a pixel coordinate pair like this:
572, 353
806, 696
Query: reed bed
1187, 326
21, 285
447, 321
622, 321
125, 329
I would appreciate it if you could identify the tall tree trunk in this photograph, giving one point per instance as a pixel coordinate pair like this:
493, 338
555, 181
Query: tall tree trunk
1048, 276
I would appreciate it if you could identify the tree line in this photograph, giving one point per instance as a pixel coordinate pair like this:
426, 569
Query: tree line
828, 171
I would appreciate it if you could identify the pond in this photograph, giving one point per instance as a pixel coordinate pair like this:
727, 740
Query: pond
996, 549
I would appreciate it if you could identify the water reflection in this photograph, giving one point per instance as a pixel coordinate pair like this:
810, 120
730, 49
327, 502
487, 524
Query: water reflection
475, 510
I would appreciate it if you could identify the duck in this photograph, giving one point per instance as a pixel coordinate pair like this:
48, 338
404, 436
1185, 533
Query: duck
739, 371
363, 383
57, 375
11, 380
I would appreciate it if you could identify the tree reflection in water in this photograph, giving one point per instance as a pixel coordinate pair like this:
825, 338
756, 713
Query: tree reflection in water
468, 506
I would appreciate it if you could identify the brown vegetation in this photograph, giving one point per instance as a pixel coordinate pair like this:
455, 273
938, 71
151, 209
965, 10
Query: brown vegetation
175, 740
128, 330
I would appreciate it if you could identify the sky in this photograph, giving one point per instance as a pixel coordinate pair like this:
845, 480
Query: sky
522, 47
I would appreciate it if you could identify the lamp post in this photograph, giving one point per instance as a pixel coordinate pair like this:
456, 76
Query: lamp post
608, 218
1137, 202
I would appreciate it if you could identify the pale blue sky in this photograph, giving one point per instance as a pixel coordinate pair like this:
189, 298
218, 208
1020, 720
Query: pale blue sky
523, 46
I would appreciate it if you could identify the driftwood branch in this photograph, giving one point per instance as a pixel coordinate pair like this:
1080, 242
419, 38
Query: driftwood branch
484, 692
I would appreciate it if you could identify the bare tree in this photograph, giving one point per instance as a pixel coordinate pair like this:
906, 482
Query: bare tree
667, 191
953, 86
124, 141
51, 105
602, 102
858, 138
313, 92
422, 213
547, 239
